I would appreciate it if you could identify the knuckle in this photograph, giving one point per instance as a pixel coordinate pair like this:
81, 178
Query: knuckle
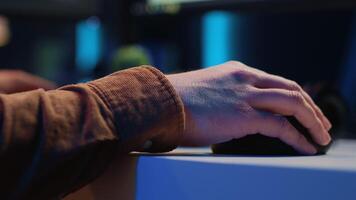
234, 62
244, 75
296, 97
295, 86
242, 72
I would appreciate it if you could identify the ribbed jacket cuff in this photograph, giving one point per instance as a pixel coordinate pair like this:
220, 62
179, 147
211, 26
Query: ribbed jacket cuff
148, 113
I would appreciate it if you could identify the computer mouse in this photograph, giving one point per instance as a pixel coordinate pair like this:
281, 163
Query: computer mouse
262, 145
329, 102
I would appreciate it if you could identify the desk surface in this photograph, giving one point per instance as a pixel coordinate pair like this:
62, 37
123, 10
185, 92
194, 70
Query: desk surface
342, 156
197, 174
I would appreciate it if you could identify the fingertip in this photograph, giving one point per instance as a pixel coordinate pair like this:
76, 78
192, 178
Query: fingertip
320, 134
329, 125
326, 121
306, 147
311, 151
326, 138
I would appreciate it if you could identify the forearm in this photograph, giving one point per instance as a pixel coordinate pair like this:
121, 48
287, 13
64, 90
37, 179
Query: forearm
54, 142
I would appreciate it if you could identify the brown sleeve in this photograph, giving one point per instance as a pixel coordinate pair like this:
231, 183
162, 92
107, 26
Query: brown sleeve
54, 142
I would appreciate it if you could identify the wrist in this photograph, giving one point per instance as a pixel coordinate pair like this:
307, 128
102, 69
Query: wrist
180, 85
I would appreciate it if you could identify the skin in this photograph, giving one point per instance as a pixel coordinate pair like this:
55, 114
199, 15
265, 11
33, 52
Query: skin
13, 81
232, 100
224, 102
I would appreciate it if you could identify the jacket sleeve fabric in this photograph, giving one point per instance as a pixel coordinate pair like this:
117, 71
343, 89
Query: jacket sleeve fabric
54, 142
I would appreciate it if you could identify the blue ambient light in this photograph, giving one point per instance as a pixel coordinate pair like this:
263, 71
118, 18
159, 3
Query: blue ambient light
217, 32
88, 44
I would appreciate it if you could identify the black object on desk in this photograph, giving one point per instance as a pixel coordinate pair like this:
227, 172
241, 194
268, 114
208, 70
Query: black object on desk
329, 102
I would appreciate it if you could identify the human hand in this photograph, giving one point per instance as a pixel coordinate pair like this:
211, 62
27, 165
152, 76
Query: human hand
232, 100
13, 81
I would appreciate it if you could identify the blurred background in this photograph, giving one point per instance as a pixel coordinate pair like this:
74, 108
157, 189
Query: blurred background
70, 41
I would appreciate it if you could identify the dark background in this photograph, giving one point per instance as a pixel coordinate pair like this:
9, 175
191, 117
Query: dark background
72, 41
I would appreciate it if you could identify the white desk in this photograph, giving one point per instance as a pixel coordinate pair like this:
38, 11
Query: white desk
196, 174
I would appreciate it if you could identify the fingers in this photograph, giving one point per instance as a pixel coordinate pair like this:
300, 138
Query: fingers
273, 81
290, 103
278, 127
18, 81
320, 114
29, 82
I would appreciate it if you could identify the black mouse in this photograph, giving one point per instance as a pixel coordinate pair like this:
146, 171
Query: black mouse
262, 145
329, 102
